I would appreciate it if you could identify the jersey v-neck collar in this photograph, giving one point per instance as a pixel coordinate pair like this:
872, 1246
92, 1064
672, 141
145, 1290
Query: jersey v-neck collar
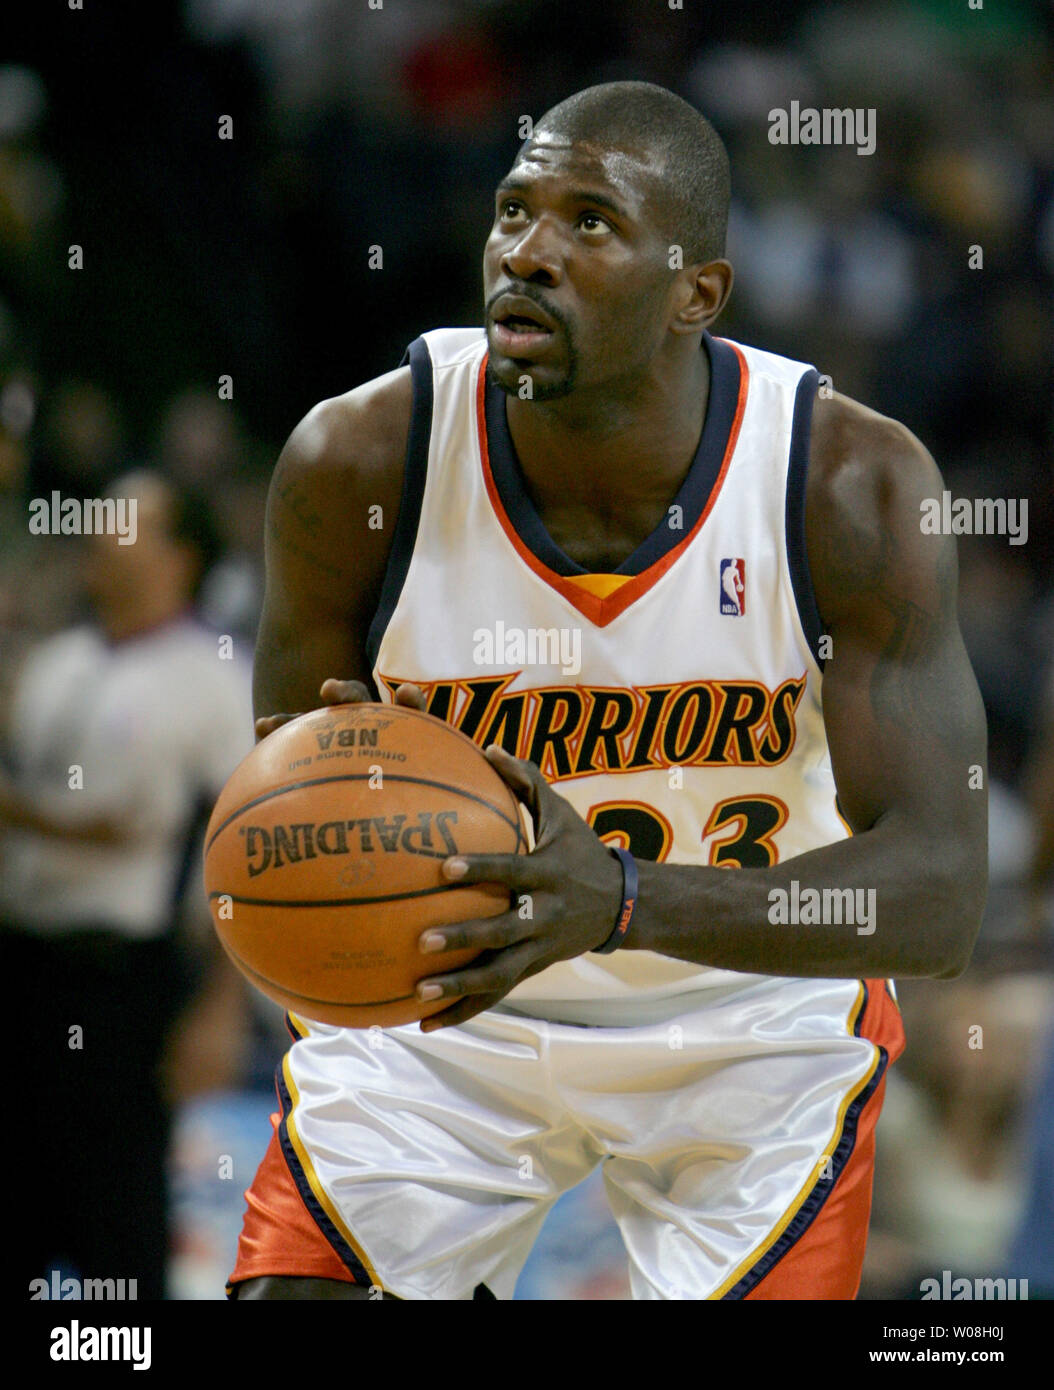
657, 552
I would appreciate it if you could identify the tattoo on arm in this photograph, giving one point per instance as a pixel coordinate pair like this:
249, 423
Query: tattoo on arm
301, 552
289, 493
299, 514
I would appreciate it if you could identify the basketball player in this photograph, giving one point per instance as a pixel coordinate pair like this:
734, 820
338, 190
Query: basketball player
593, 460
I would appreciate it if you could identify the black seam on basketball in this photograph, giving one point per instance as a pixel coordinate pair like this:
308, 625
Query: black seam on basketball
339, 902
359, 777
308, 998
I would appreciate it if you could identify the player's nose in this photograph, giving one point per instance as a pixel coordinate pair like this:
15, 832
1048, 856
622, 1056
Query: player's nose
534, 255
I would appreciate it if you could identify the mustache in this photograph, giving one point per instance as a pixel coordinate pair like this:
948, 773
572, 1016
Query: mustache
527, 292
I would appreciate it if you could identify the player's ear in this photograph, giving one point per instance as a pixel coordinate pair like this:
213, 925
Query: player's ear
705, 289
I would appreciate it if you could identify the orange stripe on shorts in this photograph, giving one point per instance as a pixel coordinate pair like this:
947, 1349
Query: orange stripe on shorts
279, 1234
827, 1260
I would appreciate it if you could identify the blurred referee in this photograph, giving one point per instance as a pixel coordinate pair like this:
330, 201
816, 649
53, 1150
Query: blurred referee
121, 731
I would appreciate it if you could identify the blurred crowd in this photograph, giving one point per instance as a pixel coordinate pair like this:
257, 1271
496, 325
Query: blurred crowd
247, 261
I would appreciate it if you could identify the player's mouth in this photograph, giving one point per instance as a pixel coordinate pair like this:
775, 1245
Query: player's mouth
520, 326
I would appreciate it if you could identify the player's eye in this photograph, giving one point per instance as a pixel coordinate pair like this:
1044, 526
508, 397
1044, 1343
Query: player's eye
511, 211
593, 224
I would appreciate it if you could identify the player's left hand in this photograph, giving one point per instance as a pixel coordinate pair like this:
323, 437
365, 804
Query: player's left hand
566, 896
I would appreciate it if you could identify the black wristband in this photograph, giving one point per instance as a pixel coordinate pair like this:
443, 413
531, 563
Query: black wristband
630, 879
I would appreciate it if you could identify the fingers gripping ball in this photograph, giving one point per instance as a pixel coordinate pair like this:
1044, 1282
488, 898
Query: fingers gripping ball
323, 858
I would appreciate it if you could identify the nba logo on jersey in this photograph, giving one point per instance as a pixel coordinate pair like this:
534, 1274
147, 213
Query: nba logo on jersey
733, 587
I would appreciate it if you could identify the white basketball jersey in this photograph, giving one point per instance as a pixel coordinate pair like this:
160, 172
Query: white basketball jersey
676, 702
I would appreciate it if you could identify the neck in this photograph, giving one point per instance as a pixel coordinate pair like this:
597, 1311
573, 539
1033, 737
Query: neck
633, 439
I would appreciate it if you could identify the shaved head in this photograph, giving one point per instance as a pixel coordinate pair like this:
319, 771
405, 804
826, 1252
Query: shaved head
688, 157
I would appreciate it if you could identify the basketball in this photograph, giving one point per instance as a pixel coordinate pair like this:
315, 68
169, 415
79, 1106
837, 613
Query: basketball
323, 859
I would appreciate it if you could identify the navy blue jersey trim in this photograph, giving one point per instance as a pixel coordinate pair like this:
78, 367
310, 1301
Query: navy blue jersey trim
859, 1023
408, 520
692, 496
797, 475
813, 1204
325, 1225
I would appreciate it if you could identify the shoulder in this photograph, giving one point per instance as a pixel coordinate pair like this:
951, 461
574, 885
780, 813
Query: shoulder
856, 453
345, 459
360, 438
869, 478
355, 440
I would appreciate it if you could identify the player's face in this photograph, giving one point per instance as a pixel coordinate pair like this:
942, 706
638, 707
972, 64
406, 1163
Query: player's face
576, 270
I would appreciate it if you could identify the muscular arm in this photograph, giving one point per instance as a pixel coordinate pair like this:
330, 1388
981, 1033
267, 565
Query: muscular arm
325, 563
905, 726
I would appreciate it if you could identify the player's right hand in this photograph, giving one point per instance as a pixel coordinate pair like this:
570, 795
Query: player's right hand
337, 692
